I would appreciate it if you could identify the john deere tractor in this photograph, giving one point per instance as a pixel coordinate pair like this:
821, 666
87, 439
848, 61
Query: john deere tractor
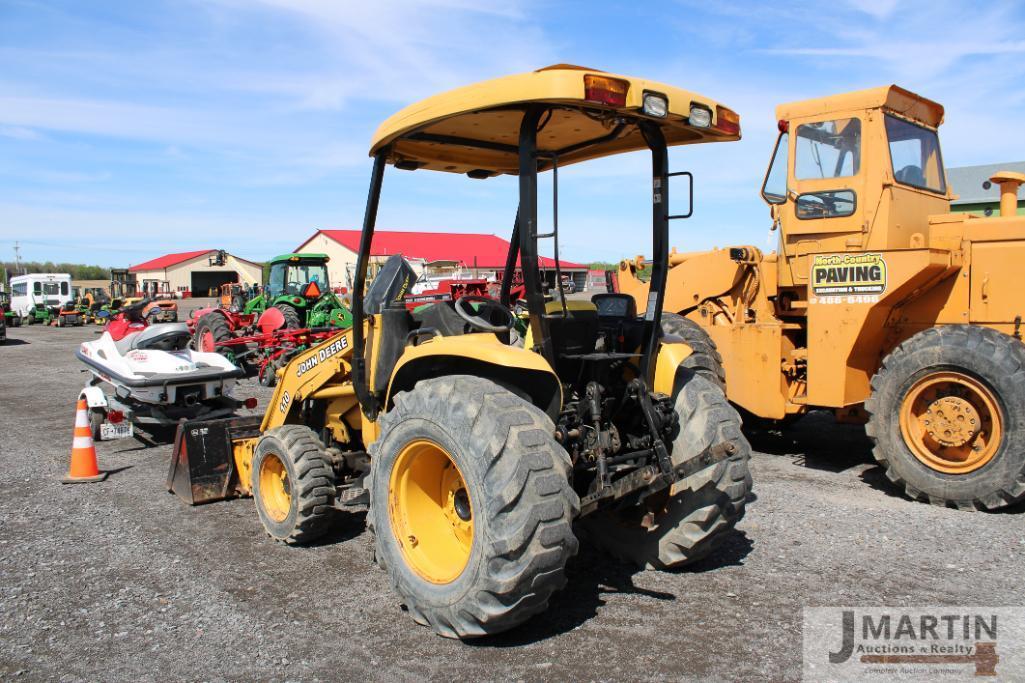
299, 287
480, 453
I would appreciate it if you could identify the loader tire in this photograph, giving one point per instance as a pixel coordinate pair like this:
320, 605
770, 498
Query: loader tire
947, 417
674, 529
705, 359
471, 506
292, 319
293, 484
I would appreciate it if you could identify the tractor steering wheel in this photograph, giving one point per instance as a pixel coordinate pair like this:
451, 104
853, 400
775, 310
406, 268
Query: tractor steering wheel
477, 319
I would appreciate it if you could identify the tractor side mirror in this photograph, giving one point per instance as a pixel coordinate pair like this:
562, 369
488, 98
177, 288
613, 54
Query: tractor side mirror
681, 187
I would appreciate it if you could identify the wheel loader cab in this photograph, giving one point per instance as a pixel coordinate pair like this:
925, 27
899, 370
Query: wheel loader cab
860, 171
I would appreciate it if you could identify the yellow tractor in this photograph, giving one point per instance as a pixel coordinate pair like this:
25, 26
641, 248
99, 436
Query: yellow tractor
879, 304
481, 452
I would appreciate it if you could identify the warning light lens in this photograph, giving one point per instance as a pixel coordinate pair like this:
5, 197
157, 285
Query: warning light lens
727, 121
115, 417
783, 125
605, 90
250, 403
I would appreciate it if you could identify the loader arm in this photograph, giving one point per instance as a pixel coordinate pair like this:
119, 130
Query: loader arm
328, 363
692, 278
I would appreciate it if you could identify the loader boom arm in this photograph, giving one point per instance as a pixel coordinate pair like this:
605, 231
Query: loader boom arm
329, 362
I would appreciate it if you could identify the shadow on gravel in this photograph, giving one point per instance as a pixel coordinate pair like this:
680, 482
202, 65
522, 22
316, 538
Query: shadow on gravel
592, 574
11, 341
344, 527
817, 442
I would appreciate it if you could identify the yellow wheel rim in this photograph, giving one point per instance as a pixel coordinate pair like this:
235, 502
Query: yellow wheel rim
431, 513
275, 489
951, 422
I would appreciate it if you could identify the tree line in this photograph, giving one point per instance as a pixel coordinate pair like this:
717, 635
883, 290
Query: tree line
77, 271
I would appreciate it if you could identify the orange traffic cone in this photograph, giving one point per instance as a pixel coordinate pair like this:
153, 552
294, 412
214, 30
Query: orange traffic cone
84, 467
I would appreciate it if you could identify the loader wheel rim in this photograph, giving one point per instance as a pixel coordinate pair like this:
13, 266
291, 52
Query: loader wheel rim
275, 488
951, 422
431, 512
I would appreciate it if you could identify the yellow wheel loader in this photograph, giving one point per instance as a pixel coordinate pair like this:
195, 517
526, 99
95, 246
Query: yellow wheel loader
879, 303
482, 453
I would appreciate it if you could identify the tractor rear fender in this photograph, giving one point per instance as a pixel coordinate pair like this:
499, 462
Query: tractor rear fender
668, 363
200, 312
481, 355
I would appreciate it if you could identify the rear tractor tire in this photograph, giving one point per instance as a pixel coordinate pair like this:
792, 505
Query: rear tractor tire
705, 359
471, 506
293, 484
947, 417
292, 319
677, 527
211, 329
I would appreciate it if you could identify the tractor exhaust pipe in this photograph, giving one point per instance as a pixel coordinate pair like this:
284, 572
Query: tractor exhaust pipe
1009, 183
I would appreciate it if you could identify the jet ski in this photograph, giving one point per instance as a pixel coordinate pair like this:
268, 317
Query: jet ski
154, 379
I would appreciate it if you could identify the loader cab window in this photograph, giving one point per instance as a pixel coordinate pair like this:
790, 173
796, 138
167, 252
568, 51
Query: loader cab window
831, 204
774, 189
828, 149
915, 155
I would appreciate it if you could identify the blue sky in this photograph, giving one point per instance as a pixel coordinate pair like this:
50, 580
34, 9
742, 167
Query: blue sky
131, 129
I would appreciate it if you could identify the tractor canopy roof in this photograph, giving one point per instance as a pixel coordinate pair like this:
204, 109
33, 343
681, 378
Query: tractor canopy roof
284, 258
890, 97
475, 129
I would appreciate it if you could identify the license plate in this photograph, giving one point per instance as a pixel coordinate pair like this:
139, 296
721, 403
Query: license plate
121, 430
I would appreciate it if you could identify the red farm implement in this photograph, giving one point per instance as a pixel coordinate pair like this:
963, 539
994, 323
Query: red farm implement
260, 346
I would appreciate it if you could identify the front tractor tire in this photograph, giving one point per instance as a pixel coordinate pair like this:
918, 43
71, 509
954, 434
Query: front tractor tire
947, 417
705, 358
471, 506
293, 484
677, 527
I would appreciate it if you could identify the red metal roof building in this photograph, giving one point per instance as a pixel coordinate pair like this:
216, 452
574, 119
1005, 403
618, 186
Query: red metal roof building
479, 254
198, 272
168, 260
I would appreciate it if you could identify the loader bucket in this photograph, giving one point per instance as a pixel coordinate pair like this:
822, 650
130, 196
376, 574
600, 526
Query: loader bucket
202, 464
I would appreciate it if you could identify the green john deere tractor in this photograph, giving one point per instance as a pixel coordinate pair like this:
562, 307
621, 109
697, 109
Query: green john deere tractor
298, 286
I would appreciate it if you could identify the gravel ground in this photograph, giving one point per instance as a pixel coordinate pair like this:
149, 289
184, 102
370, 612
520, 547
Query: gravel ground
122, 581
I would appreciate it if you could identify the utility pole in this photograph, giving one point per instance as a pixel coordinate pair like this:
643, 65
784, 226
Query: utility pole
17, 259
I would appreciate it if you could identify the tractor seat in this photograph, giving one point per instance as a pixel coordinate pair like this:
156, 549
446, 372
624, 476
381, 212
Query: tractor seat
158, 337
911, 175
576, 331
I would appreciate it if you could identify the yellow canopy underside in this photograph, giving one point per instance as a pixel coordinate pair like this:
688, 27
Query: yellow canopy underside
491, 112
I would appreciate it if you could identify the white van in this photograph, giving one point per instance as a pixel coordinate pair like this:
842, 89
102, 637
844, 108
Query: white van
50, 289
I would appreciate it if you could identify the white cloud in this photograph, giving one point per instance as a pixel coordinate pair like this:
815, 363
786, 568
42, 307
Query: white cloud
20, 133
